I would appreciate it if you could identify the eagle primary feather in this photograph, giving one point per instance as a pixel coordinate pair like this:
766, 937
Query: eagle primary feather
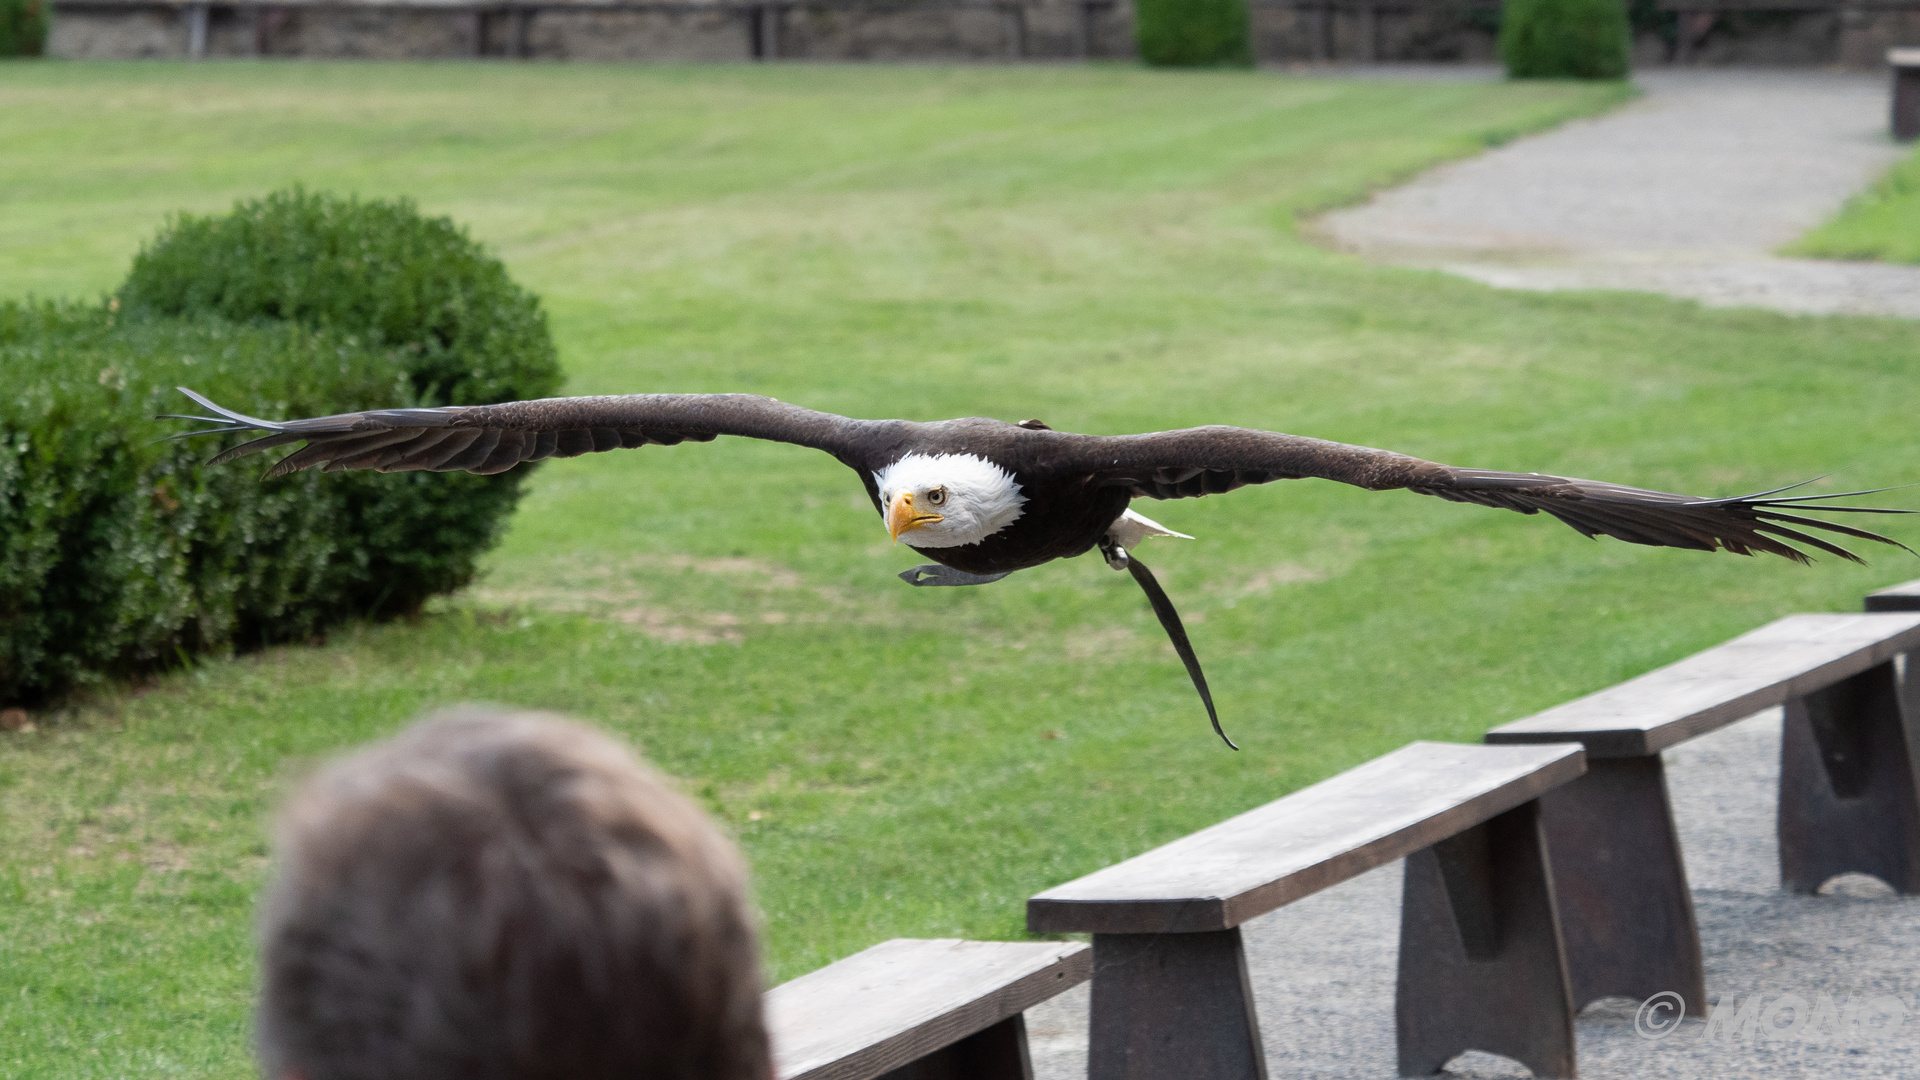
1074, 489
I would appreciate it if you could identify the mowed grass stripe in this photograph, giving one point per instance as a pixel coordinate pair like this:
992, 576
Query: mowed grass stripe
1881, 223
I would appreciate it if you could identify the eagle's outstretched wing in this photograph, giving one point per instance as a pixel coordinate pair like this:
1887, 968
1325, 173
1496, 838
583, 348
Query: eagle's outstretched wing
495, 438
1208, 460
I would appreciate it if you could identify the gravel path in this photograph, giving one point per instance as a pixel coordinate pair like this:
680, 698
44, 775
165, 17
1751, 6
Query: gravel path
1686, 191
1323, 968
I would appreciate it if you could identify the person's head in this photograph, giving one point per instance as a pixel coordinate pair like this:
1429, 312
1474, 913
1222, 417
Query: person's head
496, 896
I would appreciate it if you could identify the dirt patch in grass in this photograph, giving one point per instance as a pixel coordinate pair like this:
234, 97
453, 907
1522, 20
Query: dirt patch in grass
676, 599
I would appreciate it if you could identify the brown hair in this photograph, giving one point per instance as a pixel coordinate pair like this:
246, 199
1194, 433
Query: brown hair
508, 896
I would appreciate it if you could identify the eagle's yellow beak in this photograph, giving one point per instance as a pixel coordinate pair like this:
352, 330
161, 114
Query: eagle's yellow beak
903, 518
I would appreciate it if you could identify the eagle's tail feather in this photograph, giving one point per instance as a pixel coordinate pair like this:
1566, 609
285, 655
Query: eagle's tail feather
1177, 633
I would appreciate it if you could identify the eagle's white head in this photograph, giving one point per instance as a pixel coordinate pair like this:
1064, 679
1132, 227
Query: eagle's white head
947, 500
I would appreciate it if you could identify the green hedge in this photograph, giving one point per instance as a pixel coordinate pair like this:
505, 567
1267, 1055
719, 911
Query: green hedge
23, 27
1193, 33
1565, 39
120, 553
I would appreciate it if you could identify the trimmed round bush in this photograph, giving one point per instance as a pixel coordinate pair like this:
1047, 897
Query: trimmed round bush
1565, 39
119, 553
455, 329
466, 334
1193, 33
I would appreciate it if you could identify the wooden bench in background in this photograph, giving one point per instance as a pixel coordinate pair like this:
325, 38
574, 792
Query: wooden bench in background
1481, 966
1847, 795
911, 1009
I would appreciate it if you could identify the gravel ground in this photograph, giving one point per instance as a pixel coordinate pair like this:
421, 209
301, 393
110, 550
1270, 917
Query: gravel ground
1687, 191
1323, 968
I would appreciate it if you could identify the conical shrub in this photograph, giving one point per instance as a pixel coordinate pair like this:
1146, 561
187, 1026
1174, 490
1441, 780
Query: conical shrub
1565, 39
23, 27
1193, 33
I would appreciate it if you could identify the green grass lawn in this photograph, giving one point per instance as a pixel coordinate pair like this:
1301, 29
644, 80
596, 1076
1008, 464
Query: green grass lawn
1882, 222
1108, 249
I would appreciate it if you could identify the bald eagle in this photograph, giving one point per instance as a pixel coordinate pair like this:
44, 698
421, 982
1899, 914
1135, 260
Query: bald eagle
983, 498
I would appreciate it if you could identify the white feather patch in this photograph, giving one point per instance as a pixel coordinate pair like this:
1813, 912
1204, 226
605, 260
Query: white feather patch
1131, 528
981, 498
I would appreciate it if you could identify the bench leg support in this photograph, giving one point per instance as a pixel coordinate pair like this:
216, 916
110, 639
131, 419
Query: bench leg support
1173, 1007
1481, 965
996, 1053
1847, 800
1621, 887
1906, 125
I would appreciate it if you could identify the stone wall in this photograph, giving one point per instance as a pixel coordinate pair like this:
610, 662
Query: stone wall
1444, 31
1857, 38
117, 33
899, 30
832, 30
701, 36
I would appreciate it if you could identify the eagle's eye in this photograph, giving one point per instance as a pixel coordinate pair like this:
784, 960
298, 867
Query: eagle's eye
937, 497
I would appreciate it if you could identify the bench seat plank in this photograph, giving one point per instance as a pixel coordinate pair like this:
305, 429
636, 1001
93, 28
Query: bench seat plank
1248, 865
1785, 659
904, 999
1906, 595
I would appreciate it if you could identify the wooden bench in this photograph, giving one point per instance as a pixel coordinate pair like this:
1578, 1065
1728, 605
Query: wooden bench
1847, 796
1902, 597
920, 1010
1481, 965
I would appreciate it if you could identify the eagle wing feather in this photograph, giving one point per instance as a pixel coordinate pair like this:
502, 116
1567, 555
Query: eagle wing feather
1209, 460
495, 438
